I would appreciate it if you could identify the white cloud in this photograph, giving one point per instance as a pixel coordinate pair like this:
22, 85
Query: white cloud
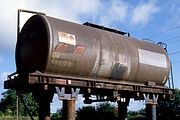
8, 9
143, 13
136, 105
85, 6
116, 11
3, 77
66, 9
119, 10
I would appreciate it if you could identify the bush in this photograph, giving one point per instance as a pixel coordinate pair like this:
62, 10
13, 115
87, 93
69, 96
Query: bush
137, 117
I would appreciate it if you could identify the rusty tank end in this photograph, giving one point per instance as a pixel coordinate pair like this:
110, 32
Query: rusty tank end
55, 46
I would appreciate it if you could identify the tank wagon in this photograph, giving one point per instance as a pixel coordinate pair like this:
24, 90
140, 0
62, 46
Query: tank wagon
56, 46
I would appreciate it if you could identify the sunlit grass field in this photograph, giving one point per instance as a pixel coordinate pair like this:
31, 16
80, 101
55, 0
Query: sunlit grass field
15, 118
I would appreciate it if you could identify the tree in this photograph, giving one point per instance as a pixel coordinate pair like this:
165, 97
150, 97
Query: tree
8, 104
57, 115
106, 111
87, 113
103, 111
136, 115
170, 110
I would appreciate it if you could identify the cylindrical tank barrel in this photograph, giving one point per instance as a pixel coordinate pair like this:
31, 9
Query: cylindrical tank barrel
55, 46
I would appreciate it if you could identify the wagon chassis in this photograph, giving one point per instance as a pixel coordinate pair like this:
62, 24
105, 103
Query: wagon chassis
105, 90
43, 86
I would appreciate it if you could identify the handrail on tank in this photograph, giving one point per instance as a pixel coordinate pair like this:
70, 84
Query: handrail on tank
29, 11
106, 28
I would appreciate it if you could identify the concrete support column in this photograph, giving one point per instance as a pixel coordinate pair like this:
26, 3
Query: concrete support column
69, 111
69, 108
151, 111
151, 107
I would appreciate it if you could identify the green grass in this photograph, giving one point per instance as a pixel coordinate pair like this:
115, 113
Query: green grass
14, 118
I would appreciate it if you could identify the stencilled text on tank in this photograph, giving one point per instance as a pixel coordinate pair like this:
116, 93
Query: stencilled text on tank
63, 63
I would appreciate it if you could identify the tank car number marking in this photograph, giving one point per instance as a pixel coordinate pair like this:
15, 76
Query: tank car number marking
67, 38
152, 58
56, 55
63, 63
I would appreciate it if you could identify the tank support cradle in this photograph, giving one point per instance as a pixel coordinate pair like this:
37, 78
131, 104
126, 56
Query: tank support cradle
69, 111
151, 106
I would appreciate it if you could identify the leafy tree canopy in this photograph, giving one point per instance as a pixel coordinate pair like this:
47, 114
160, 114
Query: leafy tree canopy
8, 104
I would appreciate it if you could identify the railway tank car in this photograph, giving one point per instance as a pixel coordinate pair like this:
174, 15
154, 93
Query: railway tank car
56, 46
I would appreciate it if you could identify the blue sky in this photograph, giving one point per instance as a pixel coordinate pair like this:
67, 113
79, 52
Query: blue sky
157, 20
